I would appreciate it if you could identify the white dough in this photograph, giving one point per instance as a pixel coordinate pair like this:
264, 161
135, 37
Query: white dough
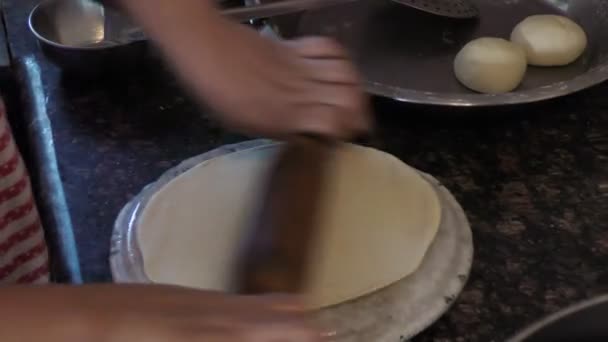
550, 40
379, 217
490, 65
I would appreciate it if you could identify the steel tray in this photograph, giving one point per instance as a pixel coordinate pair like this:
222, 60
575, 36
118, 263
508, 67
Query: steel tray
407, 55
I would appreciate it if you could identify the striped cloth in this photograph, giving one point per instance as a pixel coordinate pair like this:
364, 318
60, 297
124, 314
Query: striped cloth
23, 251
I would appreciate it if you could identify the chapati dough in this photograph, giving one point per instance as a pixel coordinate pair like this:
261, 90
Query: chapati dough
378, 219
550, 40
490, 65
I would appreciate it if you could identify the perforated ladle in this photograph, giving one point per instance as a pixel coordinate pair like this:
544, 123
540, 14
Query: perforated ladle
446, 8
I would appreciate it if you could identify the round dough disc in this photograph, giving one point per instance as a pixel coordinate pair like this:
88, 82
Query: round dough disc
550, 40
378, 219
490, 65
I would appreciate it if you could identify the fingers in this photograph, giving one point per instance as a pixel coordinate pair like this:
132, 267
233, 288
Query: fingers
349, 99
332, 71
329, 121
325, 60
276, 318
223, 318
317, 47
338, 110
285, 303
328, 110
281, 333
307, 85
334, 104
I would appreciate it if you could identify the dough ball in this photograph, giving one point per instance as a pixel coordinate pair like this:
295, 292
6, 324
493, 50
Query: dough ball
490, 65
550, 40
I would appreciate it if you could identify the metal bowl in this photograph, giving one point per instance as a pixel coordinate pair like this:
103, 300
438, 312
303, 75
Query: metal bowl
407, 55
82, 36
86, 37
584, 322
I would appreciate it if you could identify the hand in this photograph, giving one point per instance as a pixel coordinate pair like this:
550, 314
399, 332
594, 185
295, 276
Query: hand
265, 87
119, 313
260, 86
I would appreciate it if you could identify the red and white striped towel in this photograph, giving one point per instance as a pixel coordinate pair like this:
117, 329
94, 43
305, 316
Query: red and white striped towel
23, 251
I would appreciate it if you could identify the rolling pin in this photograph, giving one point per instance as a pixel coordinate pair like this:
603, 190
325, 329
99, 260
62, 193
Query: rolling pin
275, 253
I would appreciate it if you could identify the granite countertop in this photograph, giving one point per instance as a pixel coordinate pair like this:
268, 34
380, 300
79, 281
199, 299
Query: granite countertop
533, 180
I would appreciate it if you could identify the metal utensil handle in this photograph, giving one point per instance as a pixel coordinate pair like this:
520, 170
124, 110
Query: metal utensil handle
247, 13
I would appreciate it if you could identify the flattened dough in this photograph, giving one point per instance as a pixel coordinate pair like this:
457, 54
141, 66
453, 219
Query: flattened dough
379, 217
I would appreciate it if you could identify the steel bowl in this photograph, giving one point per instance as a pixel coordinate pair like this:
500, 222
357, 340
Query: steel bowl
585, 322
407, 55
85, 37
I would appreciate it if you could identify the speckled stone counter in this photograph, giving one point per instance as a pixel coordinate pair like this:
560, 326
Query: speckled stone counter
533, 179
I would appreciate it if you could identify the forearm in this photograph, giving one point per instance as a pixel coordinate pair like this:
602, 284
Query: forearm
170, 22
188, 33
40, 314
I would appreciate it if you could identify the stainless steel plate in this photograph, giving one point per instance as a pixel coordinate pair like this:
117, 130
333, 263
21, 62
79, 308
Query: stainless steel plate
407, 55
392, 314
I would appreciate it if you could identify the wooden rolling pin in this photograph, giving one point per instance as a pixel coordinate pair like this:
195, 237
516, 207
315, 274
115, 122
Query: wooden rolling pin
274, 256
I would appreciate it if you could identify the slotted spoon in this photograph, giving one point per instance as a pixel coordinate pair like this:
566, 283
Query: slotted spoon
446, 8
